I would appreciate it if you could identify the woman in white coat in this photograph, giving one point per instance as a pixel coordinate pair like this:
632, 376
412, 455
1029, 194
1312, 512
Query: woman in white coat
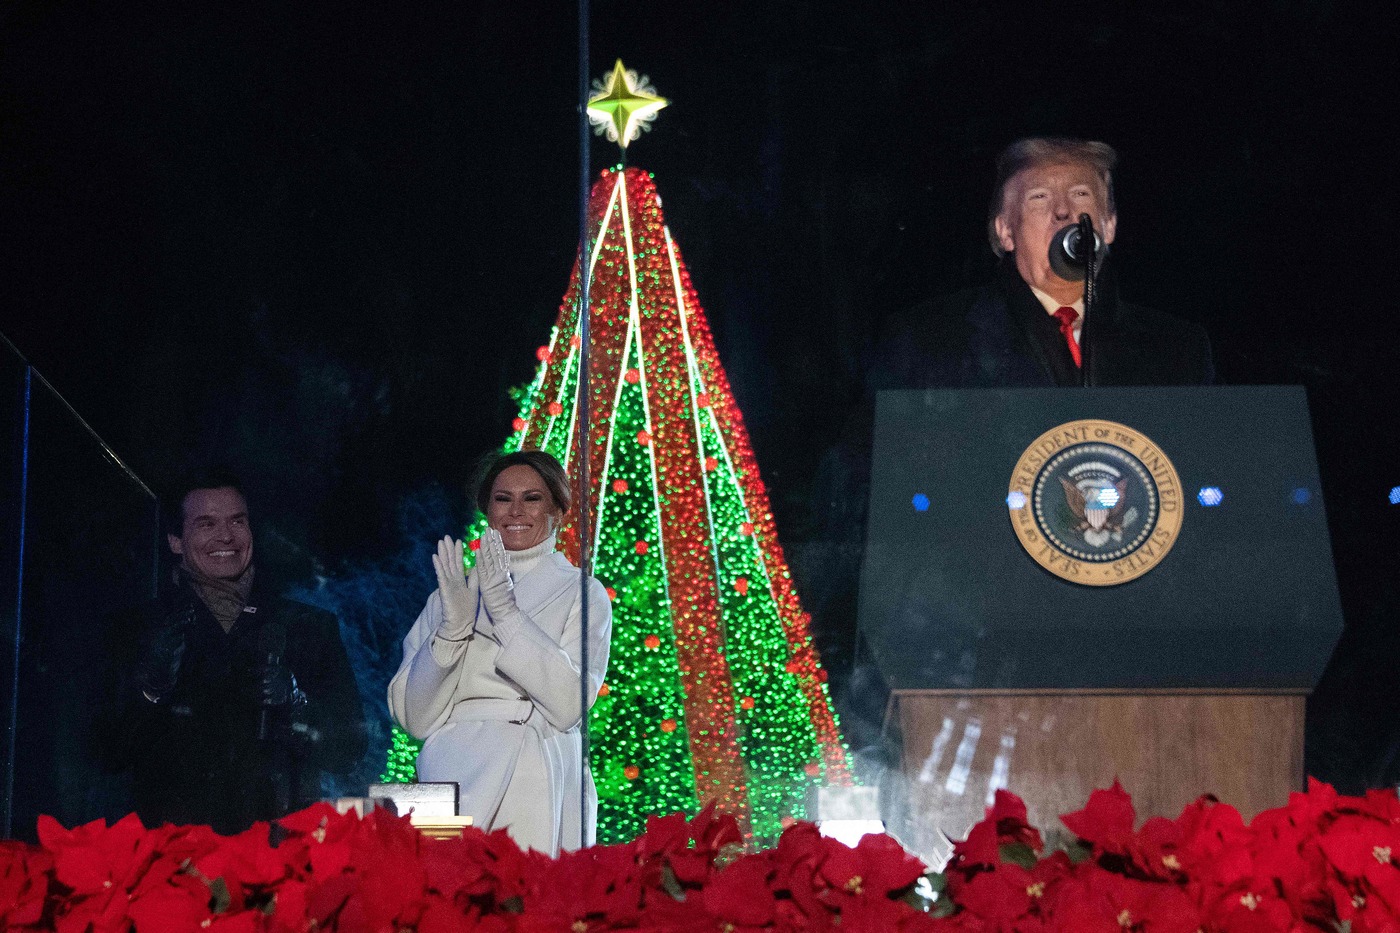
491, 668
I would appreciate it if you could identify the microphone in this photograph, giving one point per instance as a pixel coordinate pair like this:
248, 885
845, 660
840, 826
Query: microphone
1067, 254
272, 641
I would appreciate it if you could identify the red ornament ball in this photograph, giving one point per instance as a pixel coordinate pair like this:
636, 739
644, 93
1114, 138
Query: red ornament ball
813, 768
555, 408
711, 464
652, 642
612, 593
619, 486
632, 376
703, 400
518, 425
542, 354
746, 703
474, 544
640, 547
742, 586
746, 529
604, 690
668, 725
643, 438
631, 772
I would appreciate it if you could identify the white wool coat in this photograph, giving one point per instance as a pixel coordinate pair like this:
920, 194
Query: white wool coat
499, 712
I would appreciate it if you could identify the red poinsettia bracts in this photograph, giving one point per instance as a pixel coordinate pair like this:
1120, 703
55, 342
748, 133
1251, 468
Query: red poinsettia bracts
1323, 862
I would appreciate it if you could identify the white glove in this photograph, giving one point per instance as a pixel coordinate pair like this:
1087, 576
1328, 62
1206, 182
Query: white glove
493, 573
452, 588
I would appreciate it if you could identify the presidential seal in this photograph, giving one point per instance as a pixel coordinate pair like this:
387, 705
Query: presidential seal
1095, 502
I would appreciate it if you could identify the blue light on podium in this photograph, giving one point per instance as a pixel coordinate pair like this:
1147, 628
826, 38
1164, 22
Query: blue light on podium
920, 502
1302, 495
1395, 495
1016, 500
1210, 496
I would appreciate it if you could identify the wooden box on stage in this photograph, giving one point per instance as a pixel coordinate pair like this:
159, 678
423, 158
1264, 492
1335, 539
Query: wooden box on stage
1064, 586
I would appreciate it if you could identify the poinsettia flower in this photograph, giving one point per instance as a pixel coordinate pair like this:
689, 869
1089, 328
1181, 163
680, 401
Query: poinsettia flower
248, 865
1286, 859
740, 895
108, 868
25, 873
1311, 807
1106, 822
180, 905
1008, 814
289, 907
981, 847
666, 833
93, 858
1207, 828
245, 921
454, 869
587, 887
997, 897
1099, 900
1365, 853
886, 868
1251, 911
391, 884
711, 833
806, 892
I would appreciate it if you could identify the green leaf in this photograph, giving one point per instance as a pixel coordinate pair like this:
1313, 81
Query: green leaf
670, 885
219, 898
1018, 853
1078, 852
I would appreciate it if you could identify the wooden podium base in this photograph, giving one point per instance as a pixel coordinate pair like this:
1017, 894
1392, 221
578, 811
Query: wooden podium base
1053, 747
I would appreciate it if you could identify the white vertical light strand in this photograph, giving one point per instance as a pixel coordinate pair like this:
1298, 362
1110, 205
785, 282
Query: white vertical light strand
635, 315
695, 380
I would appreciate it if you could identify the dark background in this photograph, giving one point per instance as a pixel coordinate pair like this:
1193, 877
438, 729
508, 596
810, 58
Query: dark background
321, 242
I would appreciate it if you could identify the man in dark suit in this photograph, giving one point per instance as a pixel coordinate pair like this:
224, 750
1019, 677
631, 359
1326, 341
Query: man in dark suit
1022, 330
226, 701
1025, 328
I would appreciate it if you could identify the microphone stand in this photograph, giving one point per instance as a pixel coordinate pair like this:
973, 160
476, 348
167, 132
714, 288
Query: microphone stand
1091, 259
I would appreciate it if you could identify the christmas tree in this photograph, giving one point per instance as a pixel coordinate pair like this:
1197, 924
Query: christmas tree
714, 690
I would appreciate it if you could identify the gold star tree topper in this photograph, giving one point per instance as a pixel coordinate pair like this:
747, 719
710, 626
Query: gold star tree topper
624, 104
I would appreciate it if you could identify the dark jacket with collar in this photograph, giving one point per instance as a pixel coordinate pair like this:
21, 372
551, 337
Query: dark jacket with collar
208, 754
999, 336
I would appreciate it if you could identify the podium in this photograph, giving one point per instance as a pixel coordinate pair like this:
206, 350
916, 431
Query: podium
1062, 587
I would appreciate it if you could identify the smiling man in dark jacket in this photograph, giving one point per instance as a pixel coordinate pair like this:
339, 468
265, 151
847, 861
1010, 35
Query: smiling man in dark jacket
230, 701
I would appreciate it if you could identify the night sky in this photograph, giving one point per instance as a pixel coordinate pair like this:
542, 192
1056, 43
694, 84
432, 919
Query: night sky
320, 242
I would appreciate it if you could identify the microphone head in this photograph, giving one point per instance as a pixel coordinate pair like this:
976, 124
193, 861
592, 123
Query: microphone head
1067, 258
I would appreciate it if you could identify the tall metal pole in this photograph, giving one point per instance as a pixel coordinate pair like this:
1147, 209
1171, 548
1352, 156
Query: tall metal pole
7, 787
585, 448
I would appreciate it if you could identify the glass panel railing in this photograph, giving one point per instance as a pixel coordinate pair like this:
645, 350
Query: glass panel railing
80, 535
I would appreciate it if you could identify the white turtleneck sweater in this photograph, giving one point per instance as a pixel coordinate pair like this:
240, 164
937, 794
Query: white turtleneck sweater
512, 683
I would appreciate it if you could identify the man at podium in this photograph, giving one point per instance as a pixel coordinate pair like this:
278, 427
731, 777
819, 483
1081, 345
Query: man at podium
1025, 328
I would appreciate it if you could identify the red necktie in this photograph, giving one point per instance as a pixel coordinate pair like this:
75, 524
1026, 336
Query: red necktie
1067, 318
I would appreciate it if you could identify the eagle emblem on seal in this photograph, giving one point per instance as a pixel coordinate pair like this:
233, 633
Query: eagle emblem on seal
1097, 496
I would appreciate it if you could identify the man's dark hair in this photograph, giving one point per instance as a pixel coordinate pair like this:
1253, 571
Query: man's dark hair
549, 470
172, 506
1047, 150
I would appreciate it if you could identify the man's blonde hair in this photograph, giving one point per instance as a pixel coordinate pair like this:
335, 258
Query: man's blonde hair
1035, 151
